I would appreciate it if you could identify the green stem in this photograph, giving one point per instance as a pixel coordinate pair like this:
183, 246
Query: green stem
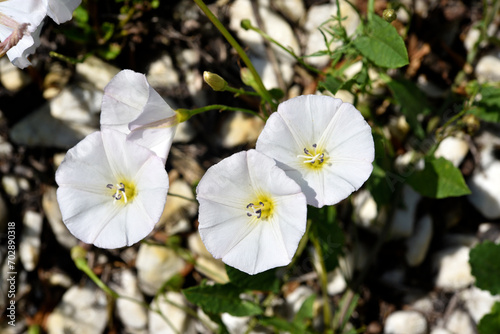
323, 280
220, 107
180, 196
81, 264
240, 91
266, 95
371, 9
272, 40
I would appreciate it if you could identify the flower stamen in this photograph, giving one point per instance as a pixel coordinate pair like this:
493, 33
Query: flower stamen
120, 192
256, 210
312, 158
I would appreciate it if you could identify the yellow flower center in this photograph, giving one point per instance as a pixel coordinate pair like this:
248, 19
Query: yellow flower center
314, 158
123, 192
261, 208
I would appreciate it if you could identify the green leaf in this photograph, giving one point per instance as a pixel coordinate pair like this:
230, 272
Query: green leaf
265, 281
305, 313
281, 325
490, 323
485, 266
382, 44
331, 83
412, 101
330, 236
220, 298
439, 179
488, 107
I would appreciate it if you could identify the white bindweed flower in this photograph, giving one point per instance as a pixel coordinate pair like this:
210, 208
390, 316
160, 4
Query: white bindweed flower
323, 144
62, 10
111, 191
251, 214
131, 106
20, 24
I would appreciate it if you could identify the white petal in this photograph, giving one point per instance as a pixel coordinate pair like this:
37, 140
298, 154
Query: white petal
124, 99
87, 207
245, 242
130, 103
227, 182
336, 127
31, 12
62, 10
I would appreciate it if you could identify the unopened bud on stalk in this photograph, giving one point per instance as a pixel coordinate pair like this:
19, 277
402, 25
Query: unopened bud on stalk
471, 122
389, 15
215, 81
246, 24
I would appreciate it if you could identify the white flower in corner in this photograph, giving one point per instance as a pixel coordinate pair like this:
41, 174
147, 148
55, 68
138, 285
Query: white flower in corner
62, 10
131, 106
325, 145
251, 214
111, 191
20, 24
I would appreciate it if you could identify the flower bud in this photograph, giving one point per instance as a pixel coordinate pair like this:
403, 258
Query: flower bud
215, 81
246, 24
389, 15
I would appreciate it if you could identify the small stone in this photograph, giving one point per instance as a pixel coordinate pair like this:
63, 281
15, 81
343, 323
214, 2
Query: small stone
177, 318
10, 185
485, 182
156, 265
235, 325
441, 331
472, 38
453, 149
134, 316
365, 209
205, 263
488, 68
11, 77
240, 129
178, 211
424, 305
77, 104
320, 14
404, 218
188, 58
336, 282
41, 129
60, 279
405, 322
478, 302
294, 10
275, 26
162, 73
53, 214
453, 267
460, 322
5, 148
194, 83
184, 132
55, 80
83, 308
96, 71
29, 247
267, 74
418, 243
58, 159
296, 298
